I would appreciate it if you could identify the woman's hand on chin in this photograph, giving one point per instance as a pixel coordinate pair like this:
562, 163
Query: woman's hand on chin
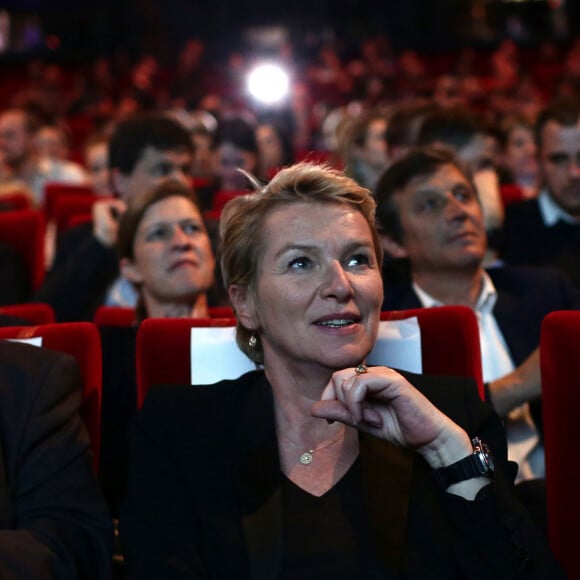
383, 403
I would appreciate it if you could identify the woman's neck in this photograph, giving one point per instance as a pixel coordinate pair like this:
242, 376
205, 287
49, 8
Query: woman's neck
195, 309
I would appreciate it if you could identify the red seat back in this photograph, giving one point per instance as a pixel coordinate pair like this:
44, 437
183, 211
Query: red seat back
68, 206
163, 351
52, 191
126, 316
449, 341
560, 367
16, 200
35, 313
24, 231
82, 341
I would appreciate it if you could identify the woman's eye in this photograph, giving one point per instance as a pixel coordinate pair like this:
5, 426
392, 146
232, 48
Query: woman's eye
191, 228
300, 263
158, 233
359, 260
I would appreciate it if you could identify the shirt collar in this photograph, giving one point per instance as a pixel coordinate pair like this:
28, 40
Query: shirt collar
551, 212
484, 304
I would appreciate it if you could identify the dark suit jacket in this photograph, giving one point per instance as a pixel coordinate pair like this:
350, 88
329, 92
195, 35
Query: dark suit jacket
82, 272
524, 297
527, 241
205, 502
53, 520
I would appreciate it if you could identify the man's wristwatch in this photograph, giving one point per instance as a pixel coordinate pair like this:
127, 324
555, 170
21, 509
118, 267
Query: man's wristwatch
479, 463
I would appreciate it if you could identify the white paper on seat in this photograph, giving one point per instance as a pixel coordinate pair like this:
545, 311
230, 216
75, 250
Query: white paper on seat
34, 341
215, 355
398, 345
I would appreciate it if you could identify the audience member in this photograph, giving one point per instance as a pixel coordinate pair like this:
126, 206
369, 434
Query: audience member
165, 252
429, 214
23, 164
274, 150
53, 520
143, 151
404, 124
321, 467
97, 162
235, 147
545, 231
519, 161
466, 134
366, 148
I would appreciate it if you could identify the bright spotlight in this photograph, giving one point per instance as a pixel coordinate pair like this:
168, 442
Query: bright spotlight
268, 83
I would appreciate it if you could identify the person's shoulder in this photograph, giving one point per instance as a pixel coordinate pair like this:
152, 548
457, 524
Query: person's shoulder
36, 374
457, 397
170, 400
400, 296
533, 279
525, 210
21, 354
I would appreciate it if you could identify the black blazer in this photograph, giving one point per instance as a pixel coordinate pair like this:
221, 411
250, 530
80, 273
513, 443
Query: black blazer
524, 297
82, 272
53, 519
204, 495
526, 240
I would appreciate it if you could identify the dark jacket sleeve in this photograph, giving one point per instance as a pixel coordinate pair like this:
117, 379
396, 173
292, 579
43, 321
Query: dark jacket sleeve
494, 536
163, 539
54, 522
77, 282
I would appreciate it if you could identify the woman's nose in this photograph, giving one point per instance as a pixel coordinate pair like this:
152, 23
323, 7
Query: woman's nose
337, 284
180, 238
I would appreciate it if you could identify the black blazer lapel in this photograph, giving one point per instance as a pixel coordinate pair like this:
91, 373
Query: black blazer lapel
260, 484
387, 474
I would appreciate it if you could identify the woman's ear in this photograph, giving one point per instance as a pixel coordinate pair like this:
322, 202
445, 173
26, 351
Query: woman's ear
130, 271
392, 248
244, 305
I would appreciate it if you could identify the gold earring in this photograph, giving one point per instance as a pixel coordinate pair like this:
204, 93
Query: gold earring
253, 341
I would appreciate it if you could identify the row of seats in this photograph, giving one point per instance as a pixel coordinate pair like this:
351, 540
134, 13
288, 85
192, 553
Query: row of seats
448, 344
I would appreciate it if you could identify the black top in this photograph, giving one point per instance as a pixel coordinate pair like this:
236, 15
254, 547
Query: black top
328, 536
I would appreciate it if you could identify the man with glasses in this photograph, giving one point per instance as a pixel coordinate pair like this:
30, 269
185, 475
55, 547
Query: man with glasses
546, 231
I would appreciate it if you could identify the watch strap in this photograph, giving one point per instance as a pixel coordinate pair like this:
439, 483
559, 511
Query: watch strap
478, 464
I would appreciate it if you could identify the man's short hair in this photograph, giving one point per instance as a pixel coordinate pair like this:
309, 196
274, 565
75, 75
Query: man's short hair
454, 127
132, 136
565, 111
405, 121
421, 162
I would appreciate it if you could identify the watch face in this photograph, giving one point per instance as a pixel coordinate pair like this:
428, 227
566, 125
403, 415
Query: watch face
484, 455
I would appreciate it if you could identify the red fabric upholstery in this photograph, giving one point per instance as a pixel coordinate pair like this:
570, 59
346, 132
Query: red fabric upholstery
511, 193
560, 366
114, 316
124, 316
52, 191
68, 205
16, 200
163, 345
163, 351
449, 340
35, 313
82, 341
222, 197
24, 231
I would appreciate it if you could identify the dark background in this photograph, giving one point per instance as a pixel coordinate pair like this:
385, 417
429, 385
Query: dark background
80, 29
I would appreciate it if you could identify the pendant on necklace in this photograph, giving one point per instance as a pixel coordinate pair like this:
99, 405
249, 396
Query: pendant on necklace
306, 458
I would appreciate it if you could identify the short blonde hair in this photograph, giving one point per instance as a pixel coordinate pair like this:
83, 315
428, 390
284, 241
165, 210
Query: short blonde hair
242, 222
